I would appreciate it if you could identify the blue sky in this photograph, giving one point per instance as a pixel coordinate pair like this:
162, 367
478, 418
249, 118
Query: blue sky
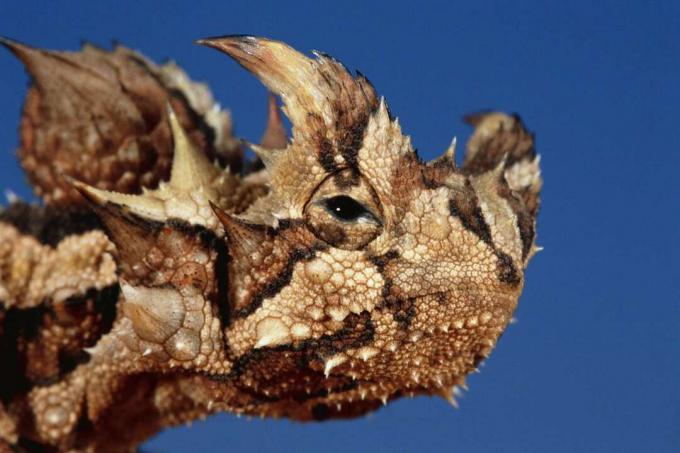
594, 362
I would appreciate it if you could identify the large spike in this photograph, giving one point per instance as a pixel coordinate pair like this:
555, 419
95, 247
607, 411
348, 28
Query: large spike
133, 235
320, 96
191, 169
243, 239
149, 207
282, 69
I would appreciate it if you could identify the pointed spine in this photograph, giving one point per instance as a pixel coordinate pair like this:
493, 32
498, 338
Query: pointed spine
191, 169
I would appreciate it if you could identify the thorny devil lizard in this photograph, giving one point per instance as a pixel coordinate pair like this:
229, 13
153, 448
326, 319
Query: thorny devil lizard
166, 279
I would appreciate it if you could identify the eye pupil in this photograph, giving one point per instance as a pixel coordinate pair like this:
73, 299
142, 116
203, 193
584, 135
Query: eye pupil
345, 208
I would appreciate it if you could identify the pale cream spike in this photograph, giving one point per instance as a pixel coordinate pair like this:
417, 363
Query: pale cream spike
284, 70
383, 112
191, 169
450, 152
267, 155
332, 363
271, 332
449, 155
447, 394
148, 207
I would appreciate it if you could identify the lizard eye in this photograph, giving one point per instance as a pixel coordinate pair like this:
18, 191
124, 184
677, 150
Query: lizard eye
344, 212
347, 209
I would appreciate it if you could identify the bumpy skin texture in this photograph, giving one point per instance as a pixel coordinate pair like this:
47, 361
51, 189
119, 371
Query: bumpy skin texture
344, 274
99, 116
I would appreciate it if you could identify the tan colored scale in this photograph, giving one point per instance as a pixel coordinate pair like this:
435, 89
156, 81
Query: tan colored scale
345, 274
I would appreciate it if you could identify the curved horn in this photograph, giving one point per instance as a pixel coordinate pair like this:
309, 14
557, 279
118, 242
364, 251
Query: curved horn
319, 95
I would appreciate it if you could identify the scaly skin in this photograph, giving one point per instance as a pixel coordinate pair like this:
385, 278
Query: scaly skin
345, 274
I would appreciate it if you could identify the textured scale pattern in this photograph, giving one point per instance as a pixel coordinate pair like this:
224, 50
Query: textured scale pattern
166, 279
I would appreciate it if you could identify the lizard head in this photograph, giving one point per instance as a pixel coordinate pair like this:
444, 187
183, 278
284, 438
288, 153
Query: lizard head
398, 274
359, 275
346, 273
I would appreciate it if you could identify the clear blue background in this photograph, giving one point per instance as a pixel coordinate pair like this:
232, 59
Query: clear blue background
593, 363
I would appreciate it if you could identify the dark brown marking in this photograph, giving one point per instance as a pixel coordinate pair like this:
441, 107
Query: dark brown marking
381, 261
403, 310
49, 225
525, 221
345, 181
326, 155
507, 272
23, 327
465, 206
434, 174
320, 411
281, 281
357, 331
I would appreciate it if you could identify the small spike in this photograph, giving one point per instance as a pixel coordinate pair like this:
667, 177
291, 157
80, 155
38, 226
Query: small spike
450, 152
367, 352
268, 156
332, 363
92, 351
499, 170
11, 196
271, 332
448, 395
275, 136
